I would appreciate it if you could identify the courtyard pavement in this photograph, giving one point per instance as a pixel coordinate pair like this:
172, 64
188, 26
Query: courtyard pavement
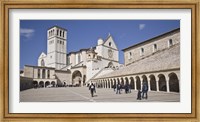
82, 94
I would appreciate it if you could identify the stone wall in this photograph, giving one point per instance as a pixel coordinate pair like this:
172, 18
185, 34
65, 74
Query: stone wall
134, 53
28, 71
167, 59
25, 83
63, 76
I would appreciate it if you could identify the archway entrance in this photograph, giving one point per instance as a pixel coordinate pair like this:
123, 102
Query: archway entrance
138, 83
173, 82
35, 84
132, 83
53, 83
47, 83
153, 82
41, 84
76, 78
162, 83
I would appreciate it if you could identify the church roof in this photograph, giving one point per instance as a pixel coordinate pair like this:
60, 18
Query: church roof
83, 49
44, 67
160, 61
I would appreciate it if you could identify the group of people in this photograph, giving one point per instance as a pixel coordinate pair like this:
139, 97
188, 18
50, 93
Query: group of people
119, 88
142, 94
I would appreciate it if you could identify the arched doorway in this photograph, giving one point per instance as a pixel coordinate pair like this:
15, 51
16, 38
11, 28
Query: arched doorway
115, 83
35, 84
153, 82
122, 83
53, 83
111, 83
138, 83
162, 83
47, 83
41, 84
173, 83
144, 80
132, 85
108, 83
126, 81
42, 63
76, 78
118, 82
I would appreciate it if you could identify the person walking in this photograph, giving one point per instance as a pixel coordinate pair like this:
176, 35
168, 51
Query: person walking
139, 95
92, 89
144, 90
118, 88
126, 88
114, 87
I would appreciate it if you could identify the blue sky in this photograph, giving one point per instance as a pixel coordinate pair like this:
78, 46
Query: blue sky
85, 33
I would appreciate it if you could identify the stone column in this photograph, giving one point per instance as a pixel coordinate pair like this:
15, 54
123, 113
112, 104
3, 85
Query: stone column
135, 84
44, 84
149, 85
46, 74
41, 73
111, 84
167, 82
141, 83
157, 83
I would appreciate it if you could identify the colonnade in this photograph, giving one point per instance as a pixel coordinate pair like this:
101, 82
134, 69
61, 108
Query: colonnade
44, 83
163, 81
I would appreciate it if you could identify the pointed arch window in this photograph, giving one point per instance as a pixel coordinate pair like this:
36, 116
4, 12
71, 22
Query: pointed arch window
42, 63
110, 44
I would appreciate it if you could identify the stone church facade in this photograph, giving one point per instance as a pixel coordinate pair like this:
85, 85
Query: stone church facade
59, 68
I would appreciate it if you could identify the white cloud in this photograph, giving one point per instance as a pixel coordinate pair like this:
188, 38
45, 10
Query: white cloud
141, 26
27, 33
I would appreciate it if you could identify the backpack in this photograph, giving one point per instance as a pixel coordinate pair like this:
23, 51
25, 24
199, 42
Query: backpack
118, 86
145, 88
92, 86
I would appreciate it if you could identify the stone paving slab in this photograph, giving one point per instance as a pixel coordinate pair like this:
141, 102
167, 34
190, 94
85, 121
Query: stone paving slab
82, 94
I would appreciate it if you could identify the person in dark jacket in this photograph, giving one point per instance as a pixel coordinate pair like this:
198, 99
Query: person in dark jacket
139, 95
118, 88
126, 88
144, 90
92, 89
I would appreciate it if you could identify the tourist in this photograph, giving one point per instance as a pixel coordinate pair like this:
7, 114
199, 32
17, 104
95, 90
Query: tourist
139, 95
144, 90
92, 89
118, 88
126, 88
114, 87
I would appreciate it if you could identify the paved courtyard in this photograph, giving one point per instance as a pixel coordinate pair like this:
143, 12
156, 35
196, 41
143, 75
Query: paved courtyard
82, 94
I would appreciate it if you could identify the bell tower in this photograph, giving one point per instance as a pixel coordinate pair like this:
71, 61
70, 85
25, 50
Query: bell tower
56, 47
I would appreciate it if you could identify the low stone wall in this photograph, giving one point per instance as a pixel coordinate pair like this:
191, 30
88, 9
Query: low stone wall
25, 83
